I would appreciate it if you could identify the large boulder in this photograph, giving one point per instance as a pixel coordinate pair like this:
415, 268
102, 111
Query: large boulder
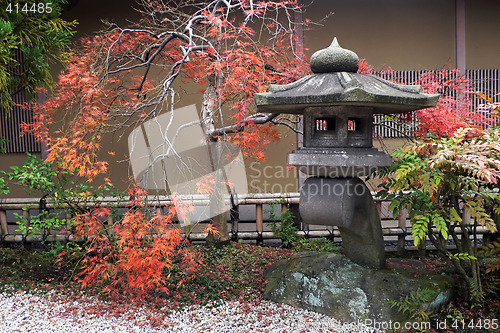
332, 284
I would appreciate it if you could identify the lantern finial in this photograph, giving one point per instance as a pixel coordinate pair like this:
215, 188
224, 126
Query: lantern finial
334, 59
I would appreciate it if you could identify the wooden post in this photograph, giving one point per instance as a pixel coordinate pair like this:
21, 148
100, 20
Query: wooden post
331, 231
259, 222
68, 223
294, 209
284, 208
26, 216
3, 222
46, 214
378, 203
402, 237
259, 217
235, 219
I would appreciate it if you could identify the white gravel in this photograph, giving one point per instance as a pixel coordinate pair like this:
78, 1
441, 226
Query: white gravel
24, 312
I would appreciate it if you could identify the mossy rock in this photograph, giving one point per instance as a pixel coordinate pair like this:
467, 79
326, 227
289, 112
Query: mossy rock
332, 284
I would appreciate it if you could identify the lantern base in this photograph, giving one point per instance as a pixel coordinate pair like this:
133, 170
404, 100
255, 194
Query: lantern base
346, 203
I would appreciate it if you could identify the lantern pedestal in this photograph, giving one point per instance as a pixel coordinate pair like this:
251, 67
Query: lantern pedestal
347, 204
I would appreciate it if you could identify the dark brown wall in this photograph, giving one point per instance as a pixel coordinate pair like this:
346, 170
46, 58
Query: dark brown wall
90, 14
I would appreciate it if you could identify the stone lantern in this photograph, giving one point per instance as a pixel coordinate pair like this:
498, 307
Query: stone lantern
338, 105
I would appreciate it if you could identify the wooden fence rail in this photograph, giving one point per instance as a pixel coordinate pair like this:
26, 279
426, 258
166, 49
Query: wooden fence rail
240, 227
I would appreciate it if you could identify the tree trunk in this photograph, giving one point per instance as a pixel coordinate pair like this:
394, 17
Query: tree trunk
216, 197
221, 239
217, 203
465, 281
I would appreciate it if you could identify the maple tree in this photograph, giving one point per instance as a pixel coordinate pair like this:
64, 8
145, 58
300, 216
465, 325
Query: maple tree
126, 75
121, 77
135, 254
454, 108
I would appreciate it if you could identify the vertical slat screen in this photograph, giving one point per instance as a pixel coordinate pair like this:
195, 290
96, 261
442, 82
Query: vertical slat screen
10, 122
485, 81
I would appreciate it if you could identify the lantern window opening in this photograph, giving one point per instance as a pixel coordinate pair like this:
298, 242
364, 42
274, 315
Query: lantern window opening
326, 124
354, 125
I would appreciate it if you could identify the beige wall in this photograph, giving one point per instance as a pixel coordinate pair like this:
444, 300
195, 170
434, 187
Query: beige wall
483, 34
405, 34
409, 34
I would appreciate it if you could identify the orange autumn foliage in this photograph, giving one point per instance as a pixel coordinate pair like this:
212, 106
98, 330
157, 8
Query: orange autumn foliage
133, 255
107, 87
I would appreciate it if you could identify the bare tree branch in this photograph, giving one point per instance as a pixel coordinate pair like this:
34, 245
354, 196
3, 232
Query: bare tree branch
258, 118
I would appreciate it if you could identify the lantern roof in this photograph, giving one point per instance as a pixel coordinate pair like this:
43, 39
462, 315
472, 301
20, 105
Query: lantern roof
336, 82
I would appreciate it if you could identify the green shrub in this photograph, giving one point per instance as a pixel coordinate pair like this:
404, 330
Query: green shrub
59, 185
289, 234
